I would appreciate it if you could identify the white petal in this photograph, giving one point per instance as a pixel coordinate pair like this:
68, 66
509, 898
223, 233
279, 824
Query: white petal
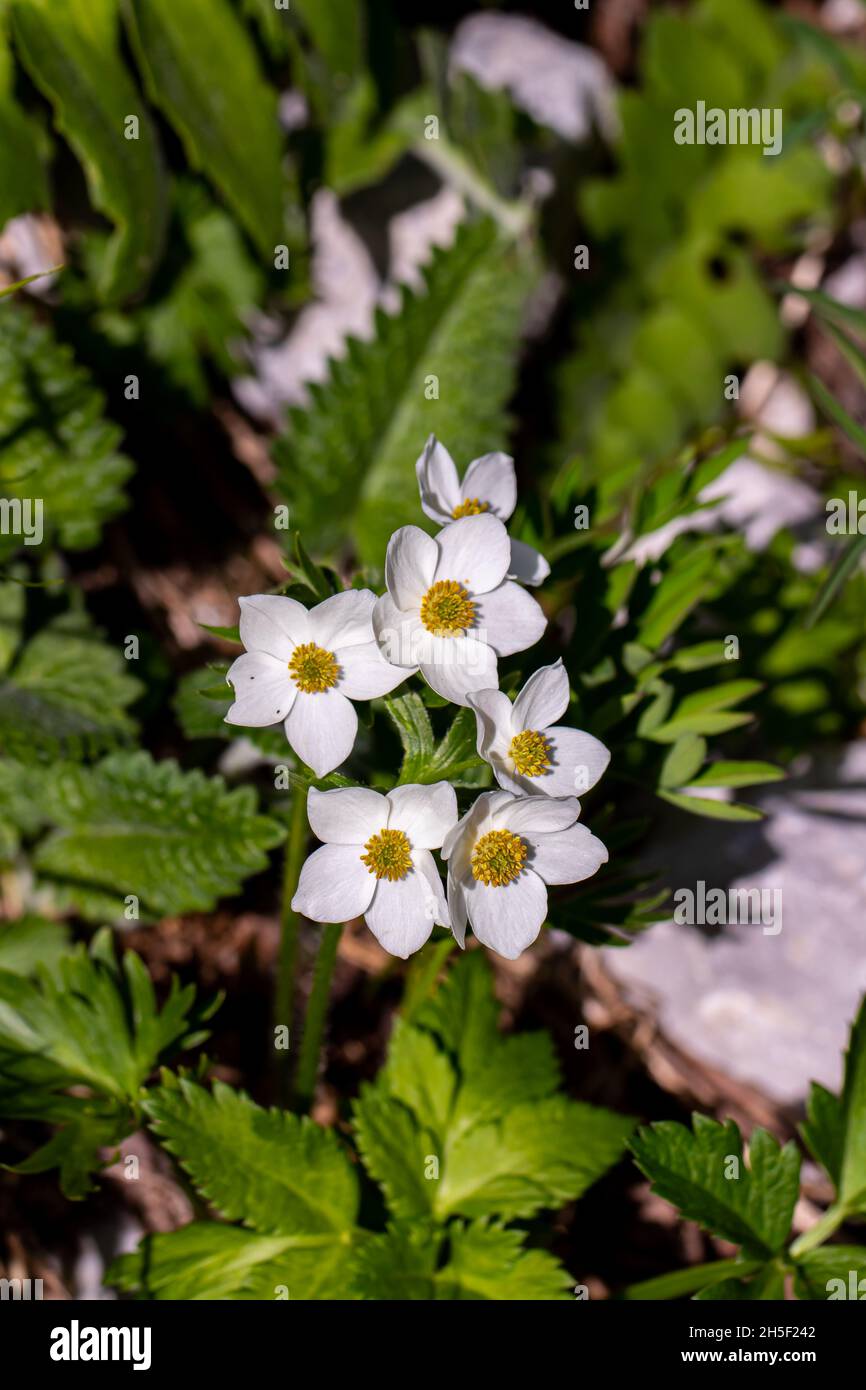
398, 633
343, 620
509, 918
364, 672
400, 915
334, 885
273, 623
437, 907
454, 666
457, 909
493, 719
568, 856
409, 566
346, 815
438, 482
321, 728
537, 815
426, 814
491, 479
509, 618
264, 694
527, 564
579, 760
475, 551
543, 699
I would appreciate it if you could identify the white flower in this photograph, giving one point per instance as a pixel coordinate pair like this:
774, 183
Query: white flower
450, 610
500, 856
489, 485
530, 754
304, 667
376, 860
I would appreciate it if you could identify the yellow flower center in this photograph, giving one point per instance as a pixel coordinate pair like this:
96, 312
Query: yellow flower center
471, 507
530, 752
313, 668
388, 854
498, 858
446, 609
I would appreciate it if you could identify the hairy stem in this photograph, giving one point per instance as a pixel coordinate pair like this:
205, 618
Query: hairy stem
317, 1008
287, 961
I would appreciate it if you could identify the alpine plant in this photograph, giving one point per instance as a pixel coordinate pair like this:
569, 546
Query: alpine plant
452, 607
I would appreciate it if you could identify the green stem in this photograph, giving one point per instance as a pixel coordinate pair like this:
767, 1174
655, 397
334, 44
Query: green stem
287, 960
817, 1234
317, 1008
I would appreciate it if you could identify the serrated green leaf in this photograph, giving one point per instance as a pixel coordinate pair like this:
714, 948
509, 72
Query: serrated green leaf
276, 1172
752, 1208
346, 461
207, 1260
453, 759
399, 1265
418, 1073
397, 1152
201, 69
844, 1265
490, 1262
55, 445
835, 1128
178, 841
72, 53
66, 694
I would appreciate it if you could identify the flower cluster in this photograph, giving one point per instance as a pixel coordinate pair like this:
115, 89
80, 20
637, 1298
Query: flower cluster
453, 606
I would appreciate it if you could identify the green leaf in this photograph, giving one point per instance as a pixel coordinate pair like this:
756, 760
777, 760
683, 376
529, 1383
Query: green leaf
201, 69
682, 1281
400, 1264
490, 1262
815, 1271
73, 55
30, 941
66, 694
739, 774
201, 703
714, 810
207, 1260
836, 412
23, 181
425, 761
55, 445
751, 1208
178, 841
846, 566
683, 761
346, 462
835, 1128
768, 1284
481, 1131
274, 1171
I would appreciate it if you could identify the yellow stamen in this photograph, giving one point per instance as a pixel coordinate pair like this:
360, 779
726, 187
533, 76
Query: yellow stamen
470, 507
498, 858
388, 855
530, 752
446, 609
313, 669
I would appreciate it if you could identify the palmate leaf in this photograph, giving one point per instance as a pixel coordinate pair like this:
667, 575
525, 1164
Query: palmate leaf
82, 1021
477, 1261
55, 445
66, 694
176, 840
751, 1208
347, 461
462, 1122
72, 52
201, 68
